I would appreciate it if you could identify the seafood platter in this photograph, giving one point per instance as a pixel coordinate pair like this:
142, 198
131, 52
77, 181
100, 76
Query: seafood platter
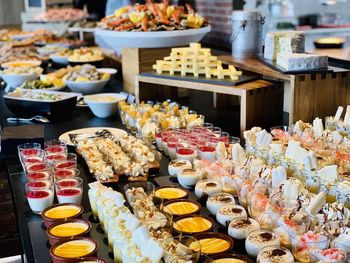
151, 25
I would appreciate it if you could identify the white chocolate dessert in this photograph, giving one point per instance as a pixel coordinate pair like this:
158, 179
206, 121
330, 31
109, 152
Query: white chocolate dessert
257, 240
240, 228
208, 187
189, 177
228, 212
343, 240
217, 200
275, 254
176, 166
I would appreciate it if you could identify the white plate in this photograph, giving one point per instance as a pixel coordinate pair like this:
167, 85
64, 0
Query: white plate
176, 38
115, 132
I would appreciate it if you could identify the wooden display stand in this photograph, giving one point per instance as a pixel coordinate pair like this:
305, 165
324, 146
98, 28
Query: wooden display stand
306, 96
255, 97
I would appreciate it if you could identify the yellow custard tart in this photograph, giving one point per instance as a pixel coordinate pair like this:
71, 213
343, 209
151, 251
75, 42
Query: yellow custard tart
230, 258
193, 224
214, 243
183, 207
73, 249
170, 193
61, 212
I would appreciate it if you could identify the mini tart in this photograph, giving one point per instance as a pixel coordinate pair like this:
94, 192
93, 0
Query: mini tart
61, 248
193, 224
214, 243
171, 192
182, 207
228, 256
54, 237
63, 212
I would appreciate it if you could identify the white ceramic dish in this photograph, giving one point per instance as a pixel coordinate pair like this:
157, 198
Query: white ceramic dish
63, 60
31, 63
115, 40
115, 132
110, 71
88, 87
104, 109
15, 80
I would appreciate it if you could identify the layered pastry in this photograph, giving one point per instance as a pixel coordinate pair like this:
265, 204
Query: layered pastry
240, 228
189, 177
207, 187
193, 224
215, 201
183, 207
228, 212
176, 166
259, 239
275, 254
170, 193
94, 194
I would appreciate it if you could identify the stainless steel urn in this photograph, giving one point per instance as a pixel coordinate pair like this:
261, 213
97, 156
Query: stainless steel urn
246, 35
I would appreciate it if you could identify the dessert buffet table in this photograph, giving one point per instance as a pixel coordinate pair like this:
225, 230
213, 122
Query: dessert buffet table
306, 96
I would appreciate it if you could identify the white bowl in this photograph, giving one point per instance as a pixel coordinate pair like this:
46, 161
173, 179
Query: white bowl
87, 87
30, 63
103, 109
176, 38
63, 60
15, 80
110, 71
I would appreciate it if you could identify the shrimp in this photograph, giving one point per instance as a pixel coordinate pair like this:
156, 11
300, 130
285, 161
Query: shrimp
144, 24
176, 14
190, 10
116, 23
165, 5
151, 7
125, 27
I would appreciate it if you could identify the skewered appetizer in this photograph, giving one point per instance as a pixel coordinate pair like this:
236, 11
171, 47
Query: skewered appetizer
153, 17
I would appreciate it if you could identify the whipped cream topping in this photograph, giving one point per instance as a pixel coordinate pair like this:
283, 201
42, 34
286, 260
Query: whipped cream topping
262, 236
275, 254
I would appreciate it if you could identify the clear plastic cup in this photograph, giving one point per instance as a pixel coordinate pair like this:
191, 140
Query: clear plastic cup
40, 195
69, 190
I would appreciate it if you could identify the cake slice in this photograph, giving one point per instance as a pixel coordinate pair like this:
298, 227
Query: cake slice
296, 61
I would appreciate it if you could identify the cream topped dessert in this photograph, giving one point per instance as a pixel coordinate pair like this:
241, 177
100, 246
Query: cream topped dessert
208, 187
275, 254
217, 200
228, 212
259, 239
333, 255
189, 177
39, 195
176, 166
240, 228
343, 240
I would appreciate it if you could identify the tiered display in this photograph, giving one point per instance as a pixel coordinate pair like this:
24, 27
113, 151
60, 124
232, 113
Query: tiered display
195, 61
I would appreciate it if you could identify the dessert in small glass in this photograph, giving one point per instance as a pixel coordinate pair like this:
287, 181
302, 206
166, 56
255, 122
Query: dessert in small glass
331, 255
259, 239
182, 248
171, 146
139, 191
69, 190
343, 193
207, 187
185, 151
55, 146
304, 244
275, 254
206, 152
177, 165
27, 149
239, 228
30, 156
217, 200
40, 195
228, 212
65, 173
69, 162
38, 167
189, 177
